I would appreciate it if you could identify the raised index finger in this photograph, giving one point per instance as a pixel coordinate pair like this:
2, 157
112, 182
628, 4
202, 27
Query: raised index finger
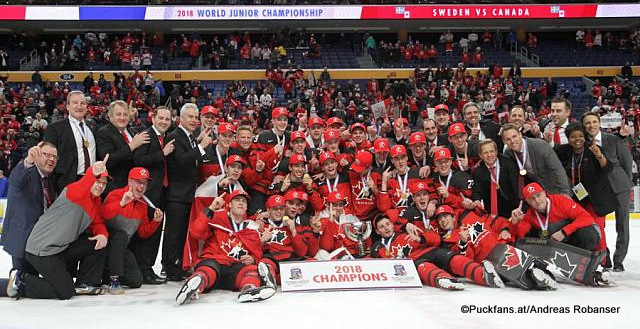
106, 158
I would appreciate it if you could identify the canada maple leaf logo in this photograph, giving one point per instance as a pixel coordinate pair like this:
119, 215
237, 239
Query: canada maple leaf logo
513, 258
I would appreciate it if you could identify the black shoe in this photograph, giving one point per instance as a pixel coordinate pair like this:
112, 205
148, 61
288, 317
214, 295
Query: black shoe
255, 294
15, 286
176, 275
86, 289
152, 278
617, 267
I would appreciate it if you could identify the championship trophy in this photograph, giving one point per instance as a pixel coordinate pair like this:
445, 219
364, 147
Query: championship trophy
358, 232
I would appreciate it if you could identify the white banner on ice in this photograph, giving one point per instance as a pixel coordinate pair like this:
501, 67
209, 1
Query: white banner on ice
357, 274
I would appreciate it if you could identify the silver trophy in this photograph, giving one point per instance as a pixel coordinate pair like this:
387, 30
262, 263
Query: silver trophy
358, 232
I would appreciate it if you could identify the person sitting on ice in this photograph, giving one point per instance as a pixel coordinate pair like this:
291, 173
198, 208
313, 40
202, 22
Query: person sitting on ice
434, 264
231, 248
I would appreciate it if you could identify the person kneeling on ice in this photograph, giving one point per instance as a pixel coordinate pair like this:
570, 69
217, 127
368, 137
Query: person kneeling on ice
231, 248
556, 227
483, 238
126, 212
70, 231
433, 263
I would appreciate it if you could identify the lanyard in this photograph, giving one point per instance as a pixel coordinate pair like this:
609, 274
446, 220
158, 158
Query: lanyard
524, 156
388, 243
280, 139
365, 181
497, 176
276, 225
544, 226
425, 220
335, 184
82, 131
237, 227
424, 160
576, 163
448, 179
403, 182
220, 162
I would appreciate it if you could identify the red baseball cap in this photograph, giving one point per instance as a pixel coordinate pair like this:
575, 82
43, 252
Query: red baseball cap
357, 125
238, 193
295, 195
328, 155
316, 121
331, 134
336, 196
397, 150
444, 210
226, 127
279, 111
442, 153
275, 201
380, 145
456, 128
441, 107
209, 110
334, 120
137, 173
297, 134
417, 137
531, 189
297, 158
363, 160
234, 158
418, 186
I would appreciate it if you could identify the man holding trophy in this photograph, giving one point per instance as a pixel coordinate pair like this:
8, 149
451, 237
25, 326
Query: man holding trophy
342, 230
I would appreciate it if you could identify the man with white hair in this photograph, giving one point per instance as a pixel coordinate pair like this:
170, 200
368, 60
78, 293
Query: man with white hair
182, 169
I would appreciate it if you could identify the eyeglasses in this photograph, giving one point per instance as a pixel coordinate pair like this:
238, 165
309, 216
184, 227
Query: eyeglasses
50, 156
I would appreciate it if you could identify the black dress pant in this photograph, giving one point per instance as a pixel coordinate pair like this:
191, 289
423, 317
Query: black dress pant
177, 223
55, 280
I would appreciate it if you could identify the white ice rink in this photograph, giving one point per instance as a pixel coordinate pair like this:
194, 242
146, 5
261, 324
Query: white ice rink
153, 306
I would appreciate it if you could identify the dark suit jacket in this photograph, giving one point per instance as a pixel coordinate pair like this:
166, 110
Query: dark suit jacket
619, 155
25, 204
593, 178
508, 181
548, 170
110, 141
151, 157
182, 167
61, 135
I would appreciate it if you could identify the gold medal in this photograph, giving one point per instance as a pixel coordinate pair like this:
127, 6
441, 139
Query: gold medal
85, 143
545, 234
523, 172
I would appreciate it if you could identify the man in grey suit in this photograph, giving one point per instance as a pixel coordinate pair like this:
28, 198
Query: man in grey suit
537, 162
620, 179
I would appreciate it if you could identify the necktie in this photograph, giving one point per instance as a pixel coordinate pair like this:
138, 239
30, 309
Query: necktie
46, 190
520, 177
193, 141
85, 149
494, 191
165, 176
124, 135
556, 137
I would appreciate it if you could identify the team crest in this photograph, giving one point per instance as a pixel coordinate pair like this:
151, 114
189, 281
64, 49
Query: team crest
513, 258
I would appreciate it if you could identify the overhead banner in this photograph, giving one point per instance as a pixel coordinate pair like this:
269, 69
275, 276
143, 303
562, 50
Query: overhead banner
355, 12
357, 274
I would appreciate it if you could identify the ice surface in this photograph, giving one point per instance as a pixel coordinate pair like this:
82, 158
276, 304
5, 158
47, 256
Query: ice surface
153, 306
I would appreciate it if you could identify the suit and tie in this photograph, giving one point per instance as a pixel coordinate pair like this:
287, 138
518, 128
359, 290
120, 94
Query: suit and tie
26, 202
507, 187
110, 141
151, 157
182, 167
68, 135
543, 166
